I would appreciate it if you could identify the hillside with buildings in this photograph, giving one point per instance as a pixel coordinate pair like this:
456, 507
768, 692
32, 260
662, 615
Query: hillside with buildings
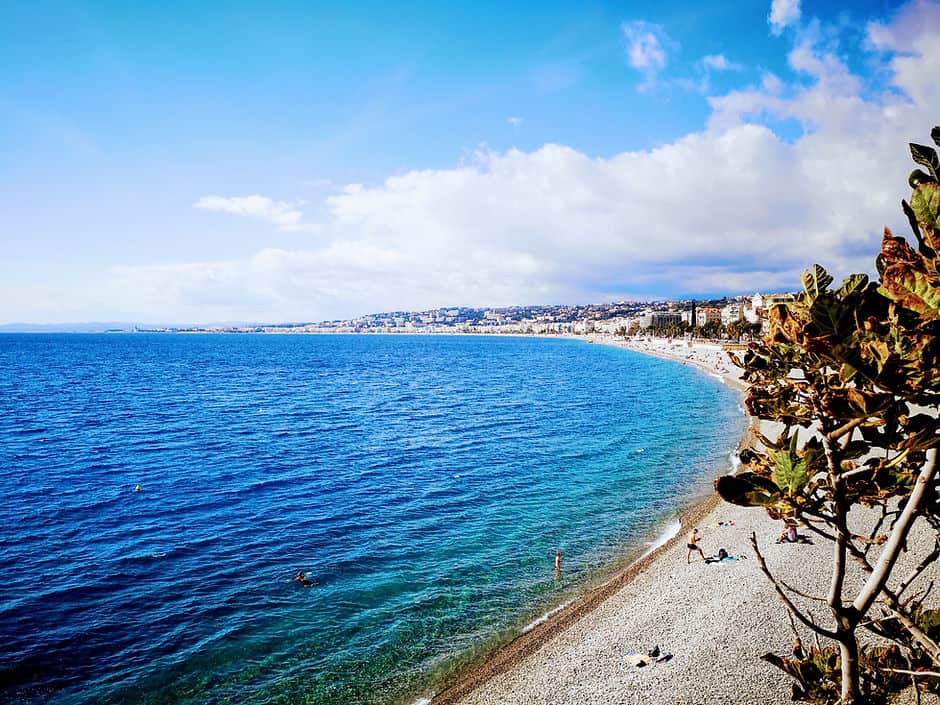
710, 317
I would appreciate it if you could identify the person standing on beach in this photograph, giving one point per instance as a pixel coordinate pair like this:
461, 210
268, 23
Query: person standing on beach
692, 544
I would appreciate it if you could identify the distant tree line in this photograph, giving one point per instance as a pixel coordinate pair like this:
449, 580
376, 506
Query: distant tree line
713, 330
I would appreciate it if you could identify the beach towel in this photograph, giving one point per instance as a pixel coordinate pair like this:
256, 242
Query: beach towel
652, 656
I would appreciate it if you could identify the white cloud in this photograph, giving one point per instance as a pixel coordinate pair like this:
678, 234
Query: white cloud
719, 62
285, 216
647, 49
913, 41
734, 207
771, 84
783, 13
515, 120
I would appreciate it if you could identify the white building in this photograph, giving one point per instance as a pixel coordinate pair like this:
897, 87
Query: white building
732, 313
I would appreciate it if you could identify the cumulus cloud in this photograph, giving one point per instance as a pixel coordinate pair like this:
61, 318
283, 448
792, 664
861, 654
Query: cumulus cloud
285, 216
515, 120
912, 41
734, 207
783, 13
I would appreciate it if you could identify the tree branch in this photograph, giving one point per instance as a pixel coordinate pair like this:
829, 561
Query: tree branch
919, 635
840, 514
929, 674
845, 428
816, 530
784, 597
805, 595
924, 564
889, 555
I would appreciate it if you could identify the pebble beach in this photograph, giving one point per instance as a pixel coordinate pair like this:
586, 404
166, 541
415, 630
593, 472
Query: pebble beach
709, 620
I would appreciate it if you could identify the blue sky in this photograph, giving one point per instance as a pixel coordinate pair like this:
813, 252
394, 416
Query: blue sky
300, 161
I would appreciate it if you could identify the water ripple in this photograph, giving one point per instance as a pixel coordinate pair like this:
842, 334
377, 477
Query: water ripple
424, 483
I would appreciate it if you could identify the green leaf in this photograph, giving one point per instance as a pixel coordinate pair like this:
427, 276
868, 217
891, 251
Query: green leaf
926, 156
851, 284
925, 202
935, 133
929, 621
816, 281
832, 319
911, 289
791, 471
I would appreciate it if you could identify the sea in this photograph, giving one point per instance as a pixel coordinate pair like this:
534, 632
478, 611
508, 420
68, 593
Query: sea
159, 493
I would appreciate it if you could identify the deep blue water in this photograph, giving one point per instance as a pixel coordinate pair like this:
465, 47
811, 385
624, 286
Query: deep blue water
424, 482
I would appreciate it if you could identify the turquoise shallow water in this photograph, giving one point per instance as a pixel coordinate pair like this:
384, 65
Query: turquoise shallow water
424, 482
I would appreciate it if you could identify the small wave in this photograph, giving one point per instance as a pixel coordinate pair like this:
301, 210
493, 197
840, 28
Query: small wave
545, 617
672, 529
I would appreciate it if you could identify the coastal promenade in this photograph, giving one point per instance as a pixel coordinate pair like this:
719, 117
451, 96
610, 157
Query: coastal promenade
715, 618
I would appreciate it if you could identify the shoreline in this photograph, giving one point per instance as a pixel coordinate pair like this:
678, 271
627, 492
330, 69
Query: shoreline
561, 618
546, 628
712, 620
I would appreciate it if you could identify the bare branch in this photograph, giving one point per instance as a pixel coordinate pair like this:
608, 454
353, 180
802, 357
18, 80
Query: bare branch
846, 428
796, 633
842, 530
919, 635
929, 674
876, 529
889, 555
819, 532
919, 600
817, 598
924, 564
784, 597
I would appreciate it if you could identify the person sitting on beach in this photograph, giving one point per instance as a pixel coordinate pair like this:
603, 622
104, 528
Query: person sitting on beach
789, 534
304, 580
692, 544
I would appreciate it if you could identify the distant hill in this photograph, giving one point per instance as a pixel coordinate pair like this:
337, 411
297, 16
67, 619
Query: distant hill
67, 327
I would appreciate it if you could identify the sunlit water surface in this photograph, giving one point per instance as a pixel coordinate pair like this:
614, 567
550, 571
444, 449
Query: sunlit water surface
424, 482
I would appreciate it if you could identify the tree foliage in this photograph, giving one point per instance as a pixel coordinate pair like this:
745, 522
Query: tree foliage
853, 375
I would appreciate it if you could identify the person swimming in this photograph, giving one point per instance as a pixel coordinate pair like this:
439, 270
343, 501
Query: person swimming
304, 580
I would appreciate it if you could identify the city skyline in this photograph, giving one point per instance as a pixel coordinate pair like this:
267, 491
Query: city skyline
313, 163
